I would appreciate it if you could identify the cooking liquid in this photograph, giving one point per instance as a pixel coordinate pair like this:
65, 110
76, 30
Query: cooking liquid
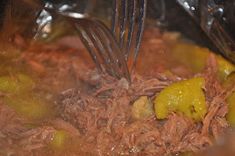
60, 66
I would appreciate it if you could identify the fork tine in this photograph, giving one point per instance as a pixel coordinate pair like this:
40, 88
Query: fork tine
96, 39
115, 16
100, 51
115, 51
112, 64
88, 44
132, 14
143, 8
125, 14
102, 47
123, 22
103, 43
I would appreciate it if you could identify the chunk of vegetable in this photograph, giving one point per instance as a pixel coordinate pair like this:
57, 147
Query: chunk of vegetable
185, 97
29, 106
16, 84
187, 154
229, 81
195, 57
225, 68
142, 108
231, 109
59, 139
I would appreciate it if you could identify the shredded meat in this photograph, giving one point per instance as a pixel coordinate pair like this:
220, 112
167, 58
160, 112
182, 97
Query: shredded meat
97, 111
98, 114
16, 138
216, 98
103, 117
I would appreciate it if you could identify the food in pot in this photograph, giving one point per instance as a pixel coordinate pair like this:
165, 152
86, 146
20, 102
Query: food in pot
184, 97
54, 102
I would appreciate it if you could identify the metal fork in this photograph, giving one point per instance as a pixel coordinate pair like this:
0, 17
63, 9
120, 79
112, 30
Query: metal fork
127, 26
98, 40
210, 16
108, 53
102, 47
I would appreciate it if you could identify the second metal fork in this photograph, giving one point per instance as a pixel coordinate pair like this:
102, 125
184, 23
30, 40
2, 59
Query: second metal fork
128, 25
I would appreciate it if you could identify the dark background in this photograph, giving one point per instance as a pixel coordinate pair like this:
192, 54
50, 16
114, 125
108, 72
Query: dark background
2, 7
175, 18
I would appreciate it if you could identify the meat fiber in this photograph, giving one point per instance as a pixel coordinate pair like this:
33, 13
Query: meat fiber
104, 119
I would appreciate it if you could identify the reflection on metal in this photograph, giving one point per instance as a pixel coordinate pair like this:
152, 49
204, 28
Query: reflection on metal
190, 6
75, 10
65, 7
74, 14
210, 16
44, 24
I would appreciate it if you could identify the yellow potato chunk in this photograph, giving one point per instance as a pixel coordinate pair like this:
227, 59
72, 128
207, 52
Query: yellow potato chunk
184, 97
225, 68
29, 106
231, 109
187, 154
16, 84
59, 139
195, 57
142, 108
229, 81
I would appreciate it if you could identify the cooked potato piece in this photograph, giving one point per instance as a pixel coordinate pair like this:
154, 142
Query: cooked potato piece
142, 108
195, 57
29, 106
185, 97
187, 154
231, 109
225, 68
59, 139
16, 84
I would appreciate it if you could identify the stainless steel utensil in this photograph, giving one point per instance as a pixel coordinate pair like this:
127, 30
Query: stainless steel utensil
102, 47
128, 25
210, 15
95, 35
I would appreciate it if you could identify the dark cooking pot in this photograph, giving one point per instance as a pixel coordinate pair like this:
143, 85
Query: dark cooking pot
170, 15
34, 21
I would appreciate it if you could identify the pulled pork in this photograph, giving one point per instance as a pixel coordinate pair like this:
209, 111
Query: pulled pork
103, 116
97, 114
